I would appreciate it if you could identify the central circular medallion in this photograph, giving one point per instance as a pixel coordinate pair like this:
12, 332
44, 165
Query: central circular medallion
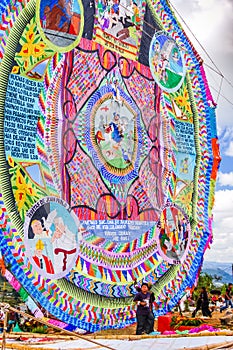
113, 134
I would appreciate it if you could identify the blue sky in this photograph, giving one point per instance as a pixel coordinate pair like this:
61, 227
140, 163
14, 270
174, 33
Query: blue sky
211, 22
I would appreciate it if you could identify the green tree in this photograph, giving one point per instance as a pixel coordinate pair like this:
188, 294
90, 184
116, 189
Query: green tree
204, 280
217, 278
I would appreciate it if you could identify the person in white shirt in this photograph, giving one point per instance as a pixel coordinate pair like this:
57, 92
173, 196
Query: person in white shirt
64, 246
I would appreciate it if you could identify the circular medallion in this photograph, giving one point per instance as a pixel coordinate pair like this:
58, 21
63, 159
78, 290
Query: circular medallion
173, 234
114, 133
50, 232
166, 62
60, 23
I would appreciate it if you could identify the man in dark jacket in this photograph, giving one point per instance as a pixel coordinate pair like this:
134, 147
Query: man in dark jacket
228, 298
203, 304
144, 314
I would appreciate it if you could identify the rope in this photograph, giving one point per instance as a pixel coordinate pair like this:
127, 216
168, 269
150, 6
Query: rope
219, 90
218, 70
222, 95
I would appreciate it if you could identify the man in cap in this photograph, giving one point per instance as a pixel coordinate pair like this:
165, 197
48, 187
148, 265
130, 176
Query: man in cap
145, 318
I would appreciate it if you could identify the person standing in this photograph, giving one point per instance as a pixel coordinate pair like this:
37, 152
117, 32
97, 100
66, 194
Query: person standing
145, 318
203, 304
228, 298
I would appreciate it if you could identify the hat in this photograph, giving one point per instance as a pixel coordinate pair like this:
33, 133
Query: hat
148, 284
39, 245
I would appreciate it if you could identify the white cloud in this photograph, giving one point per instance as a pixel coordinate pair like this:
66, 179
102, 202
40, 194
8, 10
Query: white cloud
223, 202
229, 150
211, 23
221, 249
225, 138
226, 134
225, 179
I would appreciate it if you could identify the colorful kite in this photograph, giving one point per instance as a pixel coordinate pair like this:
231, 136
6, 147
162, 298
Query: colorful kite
108, 157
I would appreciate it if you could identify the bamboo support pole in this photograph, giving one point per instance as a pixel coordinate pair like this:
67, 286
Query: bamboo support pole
226, 345
216, 346
75, 335
4, 331
13, 346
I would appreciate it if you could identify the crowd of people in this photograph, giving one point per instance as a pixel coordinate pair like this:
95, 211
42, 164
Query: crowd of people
13, 318
209, 301
14, 321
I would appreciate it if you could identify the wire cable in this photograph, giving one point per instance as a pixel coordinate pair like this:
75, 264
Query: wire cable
219, 72
220, 89
225, 98
216, 70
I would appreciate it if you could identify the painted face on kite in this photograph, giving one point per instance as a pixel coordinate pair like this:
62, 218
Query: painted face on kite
109, 158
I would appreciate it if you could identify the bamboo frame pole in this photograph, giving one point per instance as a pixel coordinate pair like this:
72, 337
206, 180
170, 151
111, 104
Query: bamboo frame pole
8, 307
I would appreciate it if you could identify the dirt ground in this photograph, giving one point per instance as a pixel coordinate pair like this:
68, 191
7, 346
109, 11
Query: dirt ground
131, 330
